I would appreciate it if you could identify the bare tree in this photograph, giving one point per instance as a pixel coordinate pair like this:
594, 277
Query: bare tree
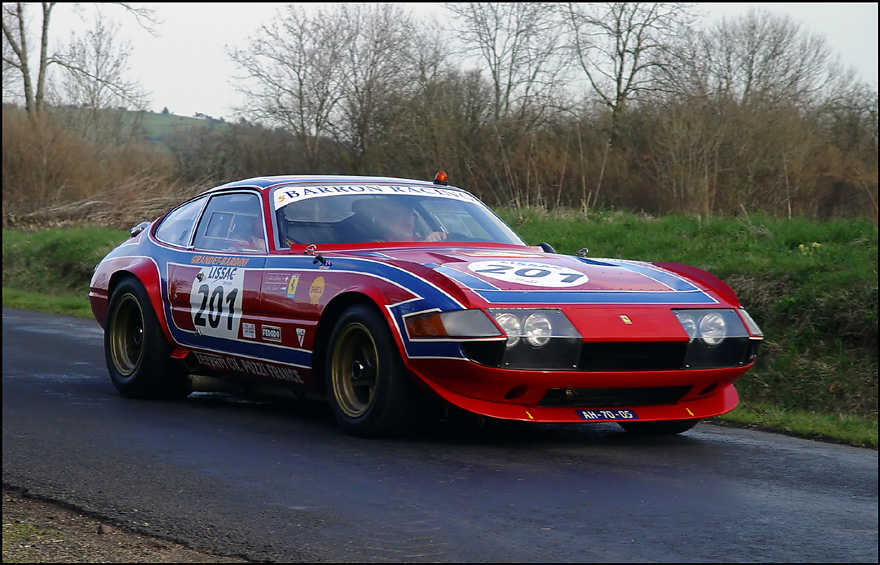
381, 63
850, 119
443, 125
684, 153
769, 58
761, 58
340, 72
17, 52
12, 76
294, 74
95, 88
620, 45
765, 88
519, 42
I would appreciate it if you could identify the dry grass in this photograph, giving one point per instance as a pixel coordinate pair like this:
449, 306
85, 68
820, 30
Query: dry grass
135, 200
51, 178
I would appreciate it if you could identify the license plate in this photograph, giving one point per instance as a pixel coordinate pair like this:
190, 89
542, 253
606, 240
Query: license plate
603, 415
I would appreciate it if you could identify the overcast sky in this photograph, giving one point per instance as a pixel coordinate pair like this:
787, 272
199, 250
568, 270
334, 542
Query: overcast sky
186, 68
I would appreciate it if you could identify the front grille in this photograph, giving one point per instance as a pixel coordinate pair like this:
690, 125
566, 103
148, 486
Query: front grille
607, 397
632, 356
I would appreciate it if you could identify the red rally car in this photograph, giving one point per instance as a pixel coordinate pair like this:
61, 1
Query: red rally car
390, 296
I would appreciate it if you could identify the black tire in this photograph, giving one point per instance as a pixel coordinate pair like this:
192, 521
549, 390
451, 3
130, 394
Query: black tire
665, 427
370, 391
138, 354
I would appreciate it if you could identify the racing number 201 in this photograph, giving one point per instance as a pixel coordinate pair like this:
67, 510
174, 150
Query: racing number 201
529, 272
210, 300
544, 275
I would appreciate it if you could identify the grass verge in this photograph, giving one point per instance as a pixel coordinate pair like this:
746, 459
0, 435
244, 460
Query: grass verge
812, 286
838, 428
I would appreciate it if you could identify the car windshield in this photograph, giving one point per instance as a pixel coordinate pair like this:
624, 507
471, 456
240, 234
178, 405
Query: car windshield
385, 213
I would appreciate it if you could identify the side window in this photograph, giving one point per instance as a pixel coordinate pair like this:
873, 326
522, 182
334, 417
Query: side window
177, 227
233, 223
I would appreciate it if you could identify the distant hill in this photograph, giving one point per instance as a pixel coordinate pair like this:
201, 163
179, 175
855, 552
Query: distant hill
158, 127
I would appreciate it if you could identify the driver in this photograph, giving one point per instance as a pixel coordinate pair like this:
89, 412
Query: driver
247, 234
395, 221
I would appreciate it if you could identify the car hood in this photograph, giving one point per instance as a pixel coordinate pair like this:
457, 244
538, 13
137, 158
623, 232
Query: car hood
529, 276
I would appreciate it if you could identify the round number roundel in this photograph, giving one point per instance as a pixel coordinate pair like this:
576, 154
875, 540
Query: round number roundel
529, 273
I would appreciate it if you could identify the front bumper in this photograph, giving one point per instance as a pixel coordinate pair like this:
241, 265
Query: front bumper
564, 396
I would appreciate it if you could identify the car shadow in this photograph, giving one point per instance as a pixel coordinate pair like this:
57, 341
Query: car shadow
452, 427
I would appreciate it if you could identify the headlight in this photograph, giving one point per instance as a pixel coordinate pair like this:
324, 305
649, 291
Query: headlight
537, 338
718, 338
688, 323
511, 326
533, 326
537, 329
713, 329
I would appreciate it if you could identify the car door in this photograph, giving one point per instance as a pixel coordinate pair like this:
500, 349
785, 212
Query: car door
214, 284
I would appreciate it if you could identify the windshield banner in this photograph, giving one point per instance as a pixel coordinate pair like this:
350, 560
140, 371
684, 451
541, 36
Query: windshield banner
288, 195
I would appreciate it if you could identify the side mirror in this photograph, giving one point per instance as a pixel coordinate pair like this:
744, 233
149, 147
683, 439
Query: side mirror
139, 228
546, 247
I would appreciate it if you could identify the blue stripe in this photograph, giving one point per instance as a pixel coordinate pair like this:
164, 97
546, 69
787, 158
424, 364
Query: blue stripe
469, 281
430, 295
663, 277
533, 297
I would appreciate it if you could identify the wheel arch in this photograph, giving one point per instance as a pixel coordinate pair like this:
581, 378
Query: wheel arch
705, 278
146, 272
327, 322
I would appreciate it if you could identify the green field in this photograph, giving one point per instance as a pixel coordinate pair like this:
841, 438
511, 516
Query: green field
158, 128
811, 286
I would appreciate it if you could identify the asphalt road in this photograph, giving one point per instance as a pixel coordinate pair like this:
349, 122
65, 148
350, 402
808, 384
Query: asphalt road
279, 481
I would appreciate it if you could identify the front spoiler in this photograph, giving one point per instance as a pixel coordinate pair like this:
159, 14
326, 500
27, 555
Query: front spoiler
722, 400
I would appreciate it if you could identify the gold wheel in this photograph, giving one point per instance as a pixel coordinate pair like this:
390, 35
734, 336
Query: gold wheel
353, 370
127, 335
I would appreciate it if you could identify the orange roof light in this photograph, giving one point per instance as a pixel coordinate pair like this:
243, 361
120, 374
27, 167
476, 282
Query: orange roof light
441, 178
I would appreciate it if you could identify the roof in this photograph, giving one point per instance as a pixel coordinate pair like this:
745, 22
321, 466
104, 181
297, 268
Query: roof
271, 181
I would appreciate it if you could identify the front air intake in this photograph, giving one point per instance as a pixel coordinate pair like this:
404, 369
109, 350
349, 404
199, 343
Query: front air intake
607, 397
632, 356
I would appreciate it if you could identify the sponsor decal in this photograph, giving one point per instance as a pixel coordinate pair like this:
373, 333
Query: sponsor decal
214, 361
271, 333
297, 194
271, 371
219, 260
625, 319
300, 335
316, 290
275, 283
529, 273
249, 330
222, 273
259, 368
291, 285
